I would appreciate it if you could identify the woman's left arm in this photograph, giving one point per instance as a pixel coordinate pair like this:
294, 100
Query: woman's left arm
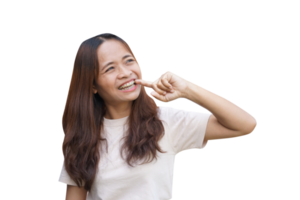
228, 120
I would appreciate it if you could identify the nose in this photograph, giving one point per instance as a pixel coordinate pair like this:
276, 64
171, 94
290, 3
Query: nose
124, 72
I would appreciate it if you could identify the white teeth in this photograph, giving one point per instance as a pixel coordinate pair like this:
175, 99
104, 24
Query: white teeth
128, 88
127, 84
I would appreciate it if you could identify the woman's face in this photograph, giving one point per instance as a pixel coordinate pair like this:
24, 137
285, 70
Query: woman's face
116, 66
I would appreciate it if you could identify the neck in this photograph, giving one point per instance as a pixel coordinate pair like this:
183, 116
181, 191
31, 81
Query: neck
118, 111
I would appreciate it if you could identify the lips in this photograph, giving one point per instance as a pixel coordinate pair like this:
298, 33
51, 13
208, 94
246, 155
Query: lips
126, 82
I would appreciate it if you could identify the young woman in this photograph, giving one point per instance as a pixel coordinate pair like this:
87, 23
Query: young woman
118, 144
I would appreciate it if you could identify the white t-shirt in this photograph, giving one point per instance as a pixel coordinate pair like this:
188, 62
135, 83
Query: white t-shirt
116, 180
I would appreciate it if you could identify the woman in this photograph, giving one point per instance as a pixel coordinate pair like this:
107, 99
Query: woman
118, 144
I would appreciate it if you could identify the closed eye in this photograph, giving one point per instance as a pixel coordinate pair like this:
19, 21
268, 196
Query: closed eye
108, 69
130, 59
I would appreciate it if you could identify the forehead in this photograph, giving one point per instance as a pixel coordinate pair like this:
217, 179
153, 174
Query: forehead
110, 51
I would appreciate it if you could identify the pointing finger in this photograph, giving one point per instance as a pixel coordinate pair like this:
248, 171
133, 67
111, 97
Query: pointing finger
144, 83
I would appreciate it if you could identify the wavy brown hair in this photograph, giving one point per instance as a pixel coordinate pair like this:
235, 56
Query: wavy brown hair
83, 119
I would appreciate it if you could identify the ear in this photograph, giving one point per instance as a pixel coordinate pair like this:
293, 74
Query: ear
94, 90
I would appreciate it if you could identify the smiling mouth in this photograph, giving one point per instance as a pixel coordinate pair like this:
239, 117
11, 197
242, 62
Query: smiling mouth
127, 86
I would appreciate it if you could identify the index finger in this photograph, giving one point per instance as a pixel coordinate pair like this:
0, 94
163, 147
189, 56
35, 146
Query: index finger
144, 83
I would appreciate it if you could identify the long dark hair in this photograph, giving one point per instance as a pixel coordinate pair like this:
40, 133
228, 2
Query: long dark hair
83, 119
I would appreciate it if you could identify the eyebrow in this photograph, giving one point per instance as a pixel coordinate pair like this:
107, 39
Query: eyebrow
128, 55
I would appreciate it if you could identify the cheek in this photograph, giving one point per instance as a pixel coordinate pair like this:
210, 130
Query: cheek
106, 85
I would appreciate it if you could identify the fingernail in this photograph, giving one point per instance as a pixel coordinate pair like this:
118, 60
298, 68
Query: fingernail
165, 93
172, 90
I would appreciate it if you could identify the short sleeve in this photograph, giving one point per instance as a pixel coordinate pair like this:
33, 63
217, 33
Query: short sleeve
186, 129
65, 178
